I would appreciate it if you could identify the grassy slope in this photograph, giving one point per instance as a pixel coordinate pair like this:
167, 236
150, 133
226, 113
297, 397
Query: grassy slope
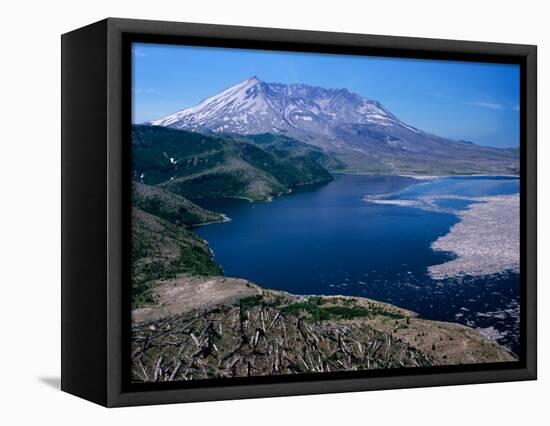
286, 147
161, 249
192, 164
171, 207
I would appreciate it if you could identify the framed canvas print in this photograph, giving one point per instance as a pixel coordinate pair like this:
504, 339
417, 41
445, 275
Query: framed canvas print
253, 212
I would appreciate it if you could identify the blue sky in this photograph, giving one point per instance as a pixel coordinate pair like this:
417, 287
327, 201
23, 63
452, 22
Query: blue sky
470, 101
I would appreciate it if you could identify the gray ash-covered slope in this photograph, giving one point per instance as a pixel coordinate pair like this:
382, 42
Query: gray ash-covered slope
364, 134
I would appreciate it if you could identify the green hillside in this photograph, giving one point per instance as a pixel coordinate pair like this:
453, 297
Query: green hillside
197, 165
162, 250
171, 207
286, 147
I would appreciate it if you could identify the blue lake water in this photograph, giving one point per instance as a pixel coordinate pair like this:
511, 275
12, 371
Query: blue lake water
328, 239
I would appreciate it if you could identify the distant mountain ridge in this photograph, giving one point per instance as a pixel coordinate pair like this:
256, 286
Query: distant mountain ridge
361, 132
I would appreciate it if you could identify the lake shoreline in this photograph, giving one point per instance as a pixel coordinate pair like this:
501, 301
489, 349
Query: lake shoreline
484, 227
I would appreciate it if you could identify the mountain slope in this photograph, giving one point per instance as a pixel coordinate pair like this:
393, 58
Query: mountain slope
364, 134
162, 250
284, 146
171, 207
196, 165
253, 107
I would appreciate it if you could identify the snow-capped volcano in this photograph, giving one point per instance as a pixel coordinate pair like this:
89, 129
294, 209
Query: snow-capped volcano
363, 133
253, 106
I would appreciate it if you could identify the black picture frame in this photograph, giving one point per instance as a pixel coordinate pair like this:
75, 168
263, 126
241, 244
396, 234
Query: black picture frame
96, 93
